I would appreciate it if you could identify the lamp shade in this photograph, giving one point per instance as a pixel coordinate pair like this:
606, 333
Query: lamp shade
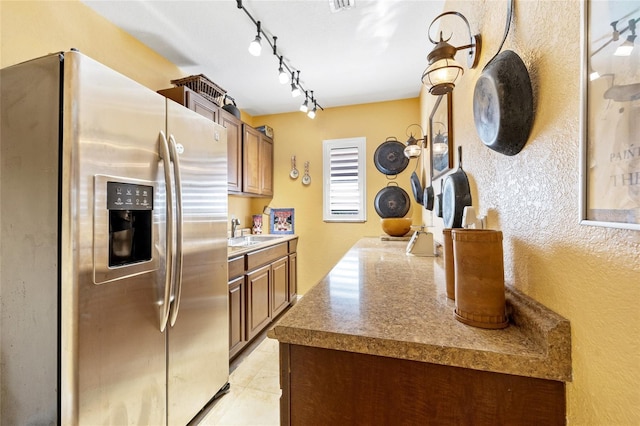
441, 75
412, 151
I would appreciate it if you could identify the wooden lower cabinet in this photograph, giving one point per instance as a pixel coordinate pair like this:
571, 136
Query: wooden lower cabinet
258, 300
293, 277
237, 334
280, 285
330, 387
260, 288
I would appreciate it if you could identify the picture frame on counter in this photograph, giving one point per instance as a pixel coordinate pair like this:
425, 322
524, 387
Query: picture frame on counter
441, 135
610, 116
282, 221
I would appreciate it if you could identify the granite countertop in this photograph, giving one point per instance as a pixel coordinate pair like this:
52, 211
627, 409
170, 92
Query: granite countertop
269, 240
379, 301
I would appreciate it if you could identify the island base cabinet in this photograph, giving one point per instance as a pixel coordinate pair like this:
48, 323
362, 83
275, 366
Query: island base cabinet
323, 386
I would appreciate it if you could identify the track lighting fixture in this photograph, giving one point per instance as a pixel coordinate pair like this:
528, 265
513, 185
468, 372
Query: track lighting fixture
295, 88
312, 112
283, 76
616, 34
305, 105
255, 47
625, 48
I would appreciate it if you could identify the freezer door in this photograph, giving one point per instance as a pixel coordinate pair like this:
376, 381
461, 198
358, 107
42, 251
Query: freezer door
113, 363
198, 339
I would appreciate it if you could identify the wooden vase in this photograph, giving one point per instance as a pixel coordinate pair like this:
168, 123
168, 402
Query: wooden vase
479, 278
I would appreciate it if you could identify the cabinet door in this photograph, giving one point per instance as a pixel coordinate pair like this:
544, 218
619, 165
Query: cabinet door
234, 150
266, 165
202, 106
293, 277
237, 334
250, 160
258, 300
280, 285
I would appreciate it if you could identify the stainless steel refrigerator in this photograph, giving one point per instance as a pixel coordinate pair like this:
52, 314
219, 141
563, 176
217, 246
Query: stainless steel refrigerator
113, 249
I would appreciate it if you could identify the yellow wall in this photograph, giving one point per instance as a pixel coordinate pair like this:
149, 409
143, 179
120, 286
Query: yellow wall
590, 275
35, 28
322, 244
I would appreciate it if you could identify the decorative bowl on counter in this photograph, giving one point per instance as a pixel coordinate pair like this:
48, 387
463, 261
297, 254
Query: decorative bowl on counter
396, 226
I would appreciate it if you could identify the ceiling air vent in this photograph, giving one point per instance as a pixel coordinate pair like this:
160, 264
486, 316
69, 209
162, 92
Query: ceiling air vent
339, 5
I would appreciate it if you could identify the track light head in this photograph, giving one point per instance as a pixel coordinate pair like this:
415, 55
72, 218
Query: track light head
255, 47
283, 76
295, 88
312, 113
626, 48
305, 105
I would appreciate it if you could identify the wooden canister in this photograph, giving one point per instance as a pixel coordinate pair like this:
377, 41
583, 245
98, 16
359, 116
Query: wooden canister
449, 272
479, 278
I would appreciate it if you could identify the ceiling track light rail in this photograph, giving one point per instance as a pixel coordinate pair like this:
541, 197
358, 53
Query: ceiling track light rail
255, 48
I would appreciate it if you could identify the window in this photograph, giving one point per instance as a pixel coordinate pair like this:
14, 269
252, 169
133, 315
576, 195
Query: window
344, 180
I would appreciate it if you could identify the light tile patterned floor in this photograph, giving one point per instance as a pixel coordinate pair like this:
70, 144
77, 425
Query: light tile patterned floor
254, 397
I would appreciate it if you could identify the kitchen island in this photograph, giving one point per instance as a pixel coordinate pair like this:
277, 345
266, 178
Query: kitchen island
376, 342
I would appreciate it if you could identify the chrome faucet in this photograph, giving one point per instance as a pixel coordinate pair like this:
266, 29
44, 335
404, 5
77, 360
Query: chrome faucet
234, 223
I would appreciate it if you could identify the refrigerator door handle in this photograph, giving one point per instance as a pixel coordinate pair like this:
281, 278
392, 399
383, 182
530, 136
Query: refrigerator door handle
177, 279
163, 151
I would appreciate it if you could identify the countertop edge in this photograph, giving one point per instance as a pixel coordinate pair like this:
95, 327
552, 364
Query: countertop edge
528, 366
239, 251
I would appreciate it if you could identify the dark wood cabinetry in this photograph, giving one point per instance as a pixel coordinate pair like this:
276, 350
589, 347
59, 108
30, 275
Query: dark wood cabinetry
237, 335
324, 386
266, 165
250, 159
258, 300
193, 101
257, 162
280, 285
260, 288
234, 150
293, 277
249, 152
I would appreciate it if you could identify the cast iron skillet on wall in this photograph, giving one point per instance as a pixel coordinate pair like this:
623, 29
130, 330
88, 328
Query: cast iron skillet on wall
503, 104
503, 100
416, 187
389, 157
392, 201
456, 195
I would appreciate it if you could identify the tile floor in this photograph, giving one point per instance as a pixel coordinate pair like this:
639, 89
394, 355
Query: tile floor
254, 397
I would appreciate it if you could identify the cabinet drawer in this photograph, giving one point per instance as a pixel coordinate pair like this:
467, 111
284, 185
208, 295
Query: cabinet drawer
236, 267
267, 255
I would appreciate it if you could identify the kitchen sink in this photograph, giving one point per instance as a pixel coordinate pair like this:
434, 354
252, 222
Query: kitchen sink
250, 240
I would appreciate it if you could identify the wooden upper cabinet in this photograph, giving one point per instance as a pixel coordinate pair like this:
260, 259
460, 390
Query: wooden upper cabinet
250, 160
266, 165
249, 152
234, 150
187, 97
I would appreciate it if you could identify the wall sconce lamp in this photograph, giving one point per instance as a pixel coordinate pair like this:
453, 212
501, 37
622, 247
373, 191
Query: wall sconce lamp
443, 69
414, 146
440, 142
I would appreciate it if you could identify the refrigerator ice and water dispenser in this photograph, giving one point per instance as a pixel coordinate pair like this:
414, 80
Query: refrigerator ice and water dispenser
130, 208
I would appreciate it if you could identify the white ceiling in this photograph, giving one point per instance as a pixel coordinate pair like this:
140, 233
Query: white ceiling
374, 51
